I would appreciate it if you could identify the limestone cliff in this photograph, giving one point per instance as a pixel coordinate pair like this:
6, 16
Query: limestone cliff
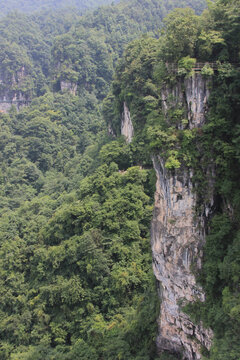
177, 237
126, 124
13, 91
68, 86
192, 93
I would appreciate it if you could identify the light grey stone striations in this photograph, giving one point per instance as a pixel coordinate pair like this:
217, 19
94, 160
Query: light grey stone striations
178, 237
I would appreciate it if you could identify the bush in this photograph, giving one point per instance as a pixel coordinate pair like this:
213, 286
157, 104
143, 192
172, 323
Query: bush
185, 66
207, 70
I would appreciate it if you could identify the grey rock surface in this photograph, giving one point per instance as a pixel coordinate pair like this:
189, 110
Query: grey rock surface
126, 124
178, 237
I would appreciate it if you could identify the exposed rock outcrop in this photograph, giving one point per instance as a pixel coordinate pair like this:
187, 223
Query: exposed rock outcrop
197, 93
68, 86
126, 124
178, 238
111, 131
11, 92
193, 94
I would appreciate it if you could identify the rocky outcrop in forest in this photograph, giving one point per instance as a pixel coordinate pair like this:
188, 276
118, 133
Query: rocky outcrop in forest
11, 90
178, 236
126, 124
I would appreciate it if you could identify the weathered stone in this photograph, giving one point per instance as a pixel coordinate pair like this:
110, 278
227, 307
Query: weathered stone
68, 86
193, 94
10, 93
126, 124
197, 94
177, 239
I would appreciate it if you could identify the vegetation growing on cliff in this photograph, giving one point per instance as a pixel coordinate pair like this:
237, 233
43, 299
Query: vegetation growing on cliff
76, 274
148, 66
76, 206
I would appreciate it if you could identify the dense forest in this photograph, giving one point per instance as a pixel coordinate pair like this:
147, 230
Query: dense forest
77, 199
29, 6
211, 38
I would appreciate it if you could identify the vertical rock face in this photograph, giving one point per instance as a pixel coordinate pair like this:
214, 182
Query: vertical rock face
197, 93
178, 238
126, 124
193, 94
10, 93
68, 86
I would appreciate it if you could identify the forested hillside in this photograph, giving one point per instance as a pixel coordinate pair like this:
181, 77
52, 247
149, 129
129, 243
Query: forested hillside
29, 6
147, 67
76, 202
64, 48
76, 274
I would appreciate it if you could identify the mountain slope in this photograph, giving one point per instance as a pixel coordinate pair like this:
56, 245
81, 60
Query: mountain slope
28, 6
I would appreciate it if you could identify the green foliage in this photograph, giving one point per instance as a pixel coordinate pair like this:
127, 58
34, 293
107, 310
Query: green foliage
185, 66
75, 51
180, 35
207, 71
219, 141
167, 356
212, 152
116, 151
208, 42
76, 205
82, 278
33, 5
172, 161
82, 273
